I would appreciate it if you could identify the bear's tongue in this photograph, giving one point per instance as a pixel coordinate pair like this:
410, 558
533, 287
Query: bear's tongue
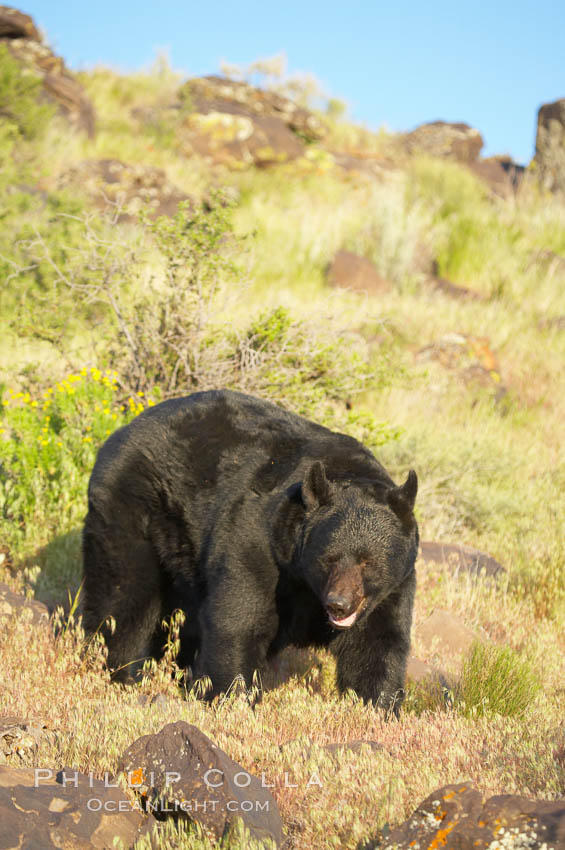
346, 621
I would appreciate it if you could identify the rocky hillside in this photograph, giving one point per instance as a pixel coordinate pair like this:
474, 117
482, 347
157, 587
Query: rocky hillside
163, 235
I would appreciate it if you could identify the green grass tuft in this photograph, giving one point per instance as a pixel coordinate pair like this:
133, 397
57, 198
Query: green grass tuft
495, 680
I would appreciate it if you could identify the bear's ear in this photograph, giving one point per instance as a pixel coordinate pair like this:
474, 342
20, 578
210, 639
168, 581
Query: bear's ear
316, 489
401, 499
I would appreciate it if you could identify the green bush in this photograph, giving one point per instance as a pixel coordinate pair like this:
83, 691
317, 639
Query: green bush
22, 117
47, 448
495, 680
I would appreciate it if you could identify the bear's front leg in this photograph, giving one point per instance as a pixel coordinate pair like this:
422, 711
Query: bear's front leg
238, 622
372, 656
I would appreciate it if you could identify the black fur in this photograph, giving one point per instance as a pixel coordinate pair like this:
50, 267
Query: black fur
262, 527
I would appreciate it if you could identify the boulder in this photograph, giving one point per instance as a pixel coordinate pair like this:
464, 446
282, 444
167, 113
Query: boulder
180, 772
30, 610
502, 175
219, 94
127, 188
419, 671
443, 635
19, 33
447, 287
459, 142
470, 357
41, 808
460, 559
456, 817
19, 735
350, 271
550, 146
237, 124
14, 24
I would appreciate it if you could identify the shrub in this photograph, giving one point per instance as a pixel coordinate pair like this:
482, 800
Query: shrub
495, 680
22, 117
47, 449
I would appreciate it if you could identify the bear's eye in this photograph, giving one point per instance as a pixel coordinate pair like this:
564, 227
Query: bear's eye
332, 561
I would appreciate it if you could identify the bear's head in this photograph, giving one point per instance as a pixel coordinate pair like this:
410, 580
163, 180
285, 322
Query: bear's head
359, 541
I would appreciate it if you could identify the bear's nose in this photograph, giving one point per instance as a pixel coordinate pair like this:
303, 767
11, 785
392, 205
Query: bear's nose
338, 604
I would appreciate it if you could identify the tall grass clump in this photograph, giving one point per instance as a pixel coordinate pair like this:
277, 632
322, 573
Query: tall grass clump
495, 680
472, 242
375, 220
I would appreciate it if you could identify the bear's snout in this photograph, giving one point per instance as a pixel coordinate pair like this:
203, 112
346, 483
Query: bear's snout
344, 596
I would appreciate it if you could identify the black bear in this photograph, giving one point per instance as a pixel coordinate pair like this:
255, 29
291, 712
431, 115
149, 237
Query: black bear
266, 529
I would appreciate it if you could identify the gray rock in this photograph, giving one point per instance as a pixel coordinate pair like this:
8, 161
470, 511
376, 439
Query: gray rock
457, 817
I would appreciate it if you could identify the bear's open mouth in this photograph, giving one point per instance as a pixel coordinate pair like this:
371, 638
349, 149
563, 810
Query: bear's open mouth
346, 622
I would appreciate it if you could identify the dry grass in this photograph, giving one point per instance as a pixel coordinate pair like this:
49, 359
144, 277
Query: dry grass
339, 799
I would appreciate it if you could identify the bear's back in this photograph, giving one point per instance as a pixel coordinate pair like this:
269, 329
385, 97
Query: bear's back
210, 438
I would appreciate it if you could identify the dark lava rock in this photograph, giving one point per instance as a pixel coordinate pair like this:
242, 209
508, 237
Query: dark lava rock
502, 175
446, 634
457, 817
550, 145
459, 558
126, 188
18, 735
219, 94
350, 271
238, 125
41, 809
22, 38
179, 772
14, 24
453, 290
442, 139
30, 610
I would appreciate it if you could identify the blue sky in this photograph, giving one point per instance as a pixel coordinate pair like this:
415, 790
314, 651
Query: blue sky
396, 64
